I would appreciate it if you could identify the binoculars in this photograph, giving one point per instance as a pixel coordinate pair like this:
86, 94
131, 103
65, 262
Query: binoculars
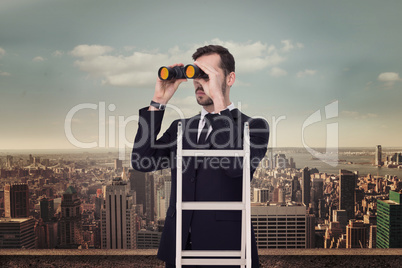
190, 71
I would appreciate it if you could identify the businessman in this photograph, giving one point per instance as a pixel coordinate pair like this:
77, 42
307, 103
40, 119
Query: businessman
218, 126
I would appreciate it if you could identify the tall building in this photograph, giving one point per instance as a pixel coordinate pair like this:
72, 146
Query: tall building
46, 209
148, 239
389, 221
355, 234
378, 156
306, 186
150, 197
137, 182
16, 200
118, 218
17, 233
373, 236
261, 195
340, 216
118, 164
310, 231
70, 232
279, 226
347, 185
295, 188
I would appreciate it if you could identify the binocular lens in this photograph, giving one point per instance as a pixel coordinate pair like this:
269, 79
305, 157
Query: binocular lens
190, 71
164, 73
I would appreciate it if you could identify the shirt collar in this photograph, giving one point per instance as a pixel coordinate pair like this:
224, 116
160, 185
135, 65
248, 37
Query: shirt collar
204, 112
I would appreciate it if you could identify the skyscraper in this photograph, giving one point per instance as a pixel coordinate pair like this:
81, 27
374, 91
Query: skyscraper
118, 218
150, 197
306, 186
389, 221
17, 233
261, 195
46, 209
16, 200
347, 185
295, 188
137, 182
279, 226
355, 234
70, 233
378, 156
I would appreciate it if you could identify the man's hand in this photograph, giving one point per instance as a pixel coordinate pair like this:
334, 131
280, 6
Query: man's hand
213, 86
164, 90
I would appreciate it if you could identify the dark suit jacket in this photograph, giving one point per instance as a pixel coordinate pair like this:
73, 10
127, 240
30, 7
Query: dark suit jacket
214, 179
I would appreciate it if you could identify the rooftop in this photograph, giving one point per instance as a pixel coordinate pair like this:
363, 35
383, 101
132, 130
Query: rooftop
147, 258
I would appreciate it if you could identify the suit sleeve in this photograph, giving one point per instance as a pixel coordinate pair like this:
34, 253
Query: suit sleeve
227, 134
150, 153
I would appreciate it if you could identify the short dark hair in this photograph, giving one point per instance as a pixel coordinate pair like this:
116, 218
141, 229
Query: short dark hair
227, 59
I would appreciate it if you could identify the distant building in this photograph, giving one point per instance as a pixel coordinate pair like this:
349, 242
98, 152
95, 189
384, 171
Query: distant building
118, 217
355, 234
16, 200
150, 197
306, 187
295, 187
340, 216
261, 195
148, 239
389, 221
279, 226
17, 233
347, 185
378, 156
373, 236
118, 164
46, 209
332, 234
70, 232
137, 183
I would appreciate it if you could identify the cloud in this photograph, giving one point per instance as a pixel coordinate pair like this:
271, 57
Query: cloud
389, 78
38, 59
2, 52
4, 74
357, 115
277, 72
306, 72
288, 46
138, 68
90, 51
57, 53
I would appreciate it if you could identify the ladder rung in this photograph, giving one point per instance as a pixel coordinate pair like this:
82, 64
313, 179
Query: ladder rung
202, 153
213, 262
211, 253
200, 205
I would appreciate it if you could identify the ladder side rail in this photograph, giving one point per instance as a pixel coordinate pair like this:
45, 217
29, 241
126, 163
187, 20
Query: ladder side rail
246, 191
179, 195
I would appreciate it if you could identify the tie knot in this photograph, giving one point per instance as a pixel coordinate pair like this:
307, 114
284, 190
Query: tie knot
208, 118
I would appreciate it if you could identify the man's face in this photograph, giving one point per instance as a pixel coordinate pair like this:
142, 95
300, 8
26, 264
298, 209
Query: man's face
214, 61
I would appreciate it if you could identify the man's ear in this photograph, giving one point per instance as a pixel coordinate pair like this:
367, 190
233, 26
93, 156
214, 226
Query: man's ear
230, 79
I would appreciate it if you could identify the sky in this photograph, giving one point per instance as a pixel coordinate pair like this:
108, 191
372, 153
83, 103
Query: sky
73, 74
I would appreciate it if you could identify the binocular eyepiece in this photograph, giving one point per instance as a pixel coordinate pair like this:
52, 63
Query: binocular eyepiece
190, 71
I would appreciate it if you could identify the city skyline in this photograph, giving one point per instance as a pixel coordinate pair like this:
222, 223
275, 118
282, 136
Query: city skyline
292, 60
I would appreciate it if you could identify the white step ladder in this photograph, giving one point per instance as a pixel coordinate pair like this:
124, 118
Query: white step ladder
240, 257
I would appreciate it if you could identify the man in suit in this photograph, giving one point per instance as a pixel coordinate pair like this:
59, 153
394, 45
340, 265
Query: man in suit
218, 126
